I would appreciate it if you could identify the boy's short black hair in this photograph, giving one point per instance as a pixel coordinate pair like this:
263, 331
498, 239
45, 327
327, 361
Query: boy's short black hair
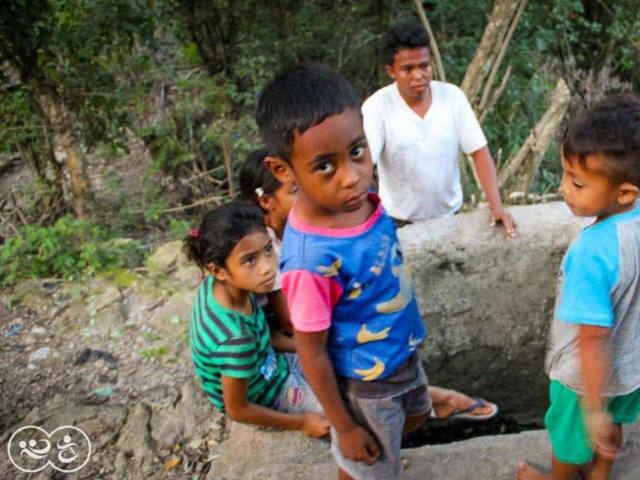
255, 177
297, 100
611, 128
220, 231
404, 35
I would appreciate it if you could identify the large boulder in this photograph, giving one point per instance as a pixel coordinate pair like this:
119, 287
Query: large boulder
488, 302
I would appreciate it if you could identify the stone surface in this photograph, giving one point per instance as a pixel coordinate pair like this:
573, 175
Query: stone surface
488, 302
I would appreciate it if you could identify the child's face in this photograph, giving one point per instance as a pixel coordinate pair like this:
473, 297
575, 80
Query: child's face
251, 266
331, 165
281, 203
588, 192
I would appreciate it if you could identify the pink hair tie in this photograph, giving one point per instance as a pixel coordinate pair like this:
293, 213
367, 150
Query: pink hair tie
194, 232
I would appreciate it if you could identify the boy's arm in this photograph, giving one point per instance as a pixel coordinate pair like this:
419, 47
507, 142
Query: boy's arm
486, 168
596, 369
235, 392
354, 441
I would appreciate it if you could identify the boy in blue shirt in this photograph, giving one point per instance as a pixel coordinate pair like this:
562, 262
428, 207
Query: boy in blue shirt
350, 297
593, 359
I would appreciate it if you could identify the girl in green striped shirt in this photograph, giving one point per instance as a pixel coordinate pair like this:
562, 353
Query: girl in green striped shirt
231, 346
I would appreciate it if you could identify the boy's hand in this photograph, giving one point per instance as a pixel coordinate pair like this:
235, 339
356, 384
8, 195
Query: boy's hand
500, 215
358, 445
602, 433
315, 424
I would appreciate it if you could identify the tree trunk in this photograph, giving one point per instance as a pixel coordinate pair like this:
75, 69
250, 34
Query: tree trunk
492, 38
519, 170
63, 121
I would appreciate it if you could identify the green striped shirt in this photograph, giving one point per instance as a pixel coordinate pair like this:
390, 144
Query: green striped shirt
226, 342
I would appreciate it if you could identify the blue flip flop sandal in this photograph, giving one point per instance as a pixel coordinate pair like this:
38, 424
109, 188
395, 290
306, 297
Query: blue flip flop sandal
467, 413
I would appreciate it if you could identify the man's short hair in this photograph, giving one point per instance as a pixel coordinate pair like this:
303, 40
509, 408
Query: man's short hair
297, 100
611, 128
403, 35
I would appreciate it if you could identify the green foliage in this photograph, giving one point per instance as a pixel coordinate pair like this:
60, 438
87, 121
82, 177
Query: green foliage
69, 249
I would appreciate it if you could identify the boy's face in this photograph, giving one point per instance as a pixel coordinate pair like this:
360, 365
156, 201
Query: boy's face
330, 165
251, 266
412, 71
589, 192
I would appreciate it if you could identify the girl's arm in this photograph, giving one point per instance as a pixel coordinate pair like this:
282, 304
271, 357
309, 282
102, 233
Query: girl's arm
282, 343
354, 441
235, 392
596, 370
278, 303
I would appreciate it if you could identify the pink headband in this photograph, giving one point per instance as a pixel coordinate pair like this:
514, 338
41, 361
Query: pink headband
194, 232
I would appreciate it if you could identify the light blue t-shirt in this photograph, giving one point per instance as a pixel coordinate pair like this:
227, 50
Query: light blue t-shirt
599, 284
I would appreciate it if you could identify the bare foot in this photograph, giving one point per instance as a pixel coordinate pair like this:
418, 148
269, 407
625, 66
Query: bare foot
447, 402
405, 463
528, 472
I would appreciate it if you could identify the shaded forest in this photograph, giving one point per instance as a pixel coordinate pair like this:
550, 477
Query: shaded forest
131, 117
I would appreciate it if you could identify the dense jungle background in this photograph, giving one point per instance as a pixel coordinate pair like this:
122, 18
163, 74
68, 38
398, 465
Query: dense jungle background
129, 118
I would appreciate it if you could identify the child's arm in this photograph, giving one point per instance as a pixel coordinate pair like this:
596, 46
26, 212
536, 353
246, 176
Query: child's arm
596, 369
354, 441
282, 343
278, 303
235, 392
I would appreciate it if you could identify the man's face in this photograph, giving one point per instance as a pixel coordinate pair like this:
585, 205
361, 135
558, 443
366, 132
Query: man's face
412, 71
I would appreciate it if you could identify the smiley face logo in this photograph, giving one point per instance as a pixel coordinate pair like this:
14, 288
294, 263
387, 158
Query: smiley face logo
32, 449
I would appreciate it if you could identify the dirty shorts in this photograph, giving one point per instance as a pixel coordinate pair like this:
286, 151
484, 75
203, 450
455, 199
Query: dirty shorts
381, 406
296, 396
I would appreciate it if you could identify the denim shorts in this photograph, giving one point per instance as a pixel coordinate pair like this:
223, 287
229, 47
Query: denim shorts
384, 418
296, 396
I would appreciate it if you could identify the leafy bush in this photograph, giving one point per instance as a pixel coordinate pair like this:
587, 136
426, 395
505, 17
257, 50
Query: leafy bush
69, 249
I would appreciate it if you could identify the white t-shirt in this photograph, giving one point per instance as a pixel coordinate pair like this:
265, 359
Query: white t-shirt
417, 157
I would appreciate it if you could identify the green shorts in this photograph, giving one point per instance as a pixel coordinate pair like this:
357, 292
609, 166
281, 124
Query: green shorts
565, 424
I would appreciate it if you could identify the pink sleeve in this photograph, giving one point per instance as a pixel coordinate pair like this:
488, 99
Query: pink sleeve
310, 299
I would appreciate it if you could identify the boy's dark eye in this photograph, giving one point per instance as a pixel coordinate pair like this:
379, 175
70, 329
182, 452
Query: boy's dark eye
358, 151
269, 249
325, 167
250, 260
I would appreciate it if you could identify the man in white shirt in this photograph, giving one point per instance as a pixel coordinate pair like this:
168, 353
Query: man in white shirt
414, 128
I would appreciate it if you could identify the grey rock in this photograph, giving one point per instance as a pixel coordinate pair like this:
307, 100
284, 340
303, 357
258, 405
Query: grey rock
40, 355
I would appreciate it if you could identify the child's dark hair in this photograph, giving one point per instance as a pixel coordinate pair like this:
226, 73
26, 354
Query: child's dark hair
297, 100
403, 35
220, 231
611, 128
256, 179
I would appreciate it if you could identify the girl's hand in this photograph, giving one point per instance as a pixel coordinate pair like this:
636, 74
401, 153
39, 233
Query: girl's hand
602, 433
315, 424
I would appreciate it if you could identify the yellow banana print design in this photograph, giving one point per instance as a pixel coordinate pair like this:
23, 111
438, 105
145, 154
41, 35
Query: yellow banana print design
405, 294
357, 290
414, 343
365, 335
331, 271
372, 373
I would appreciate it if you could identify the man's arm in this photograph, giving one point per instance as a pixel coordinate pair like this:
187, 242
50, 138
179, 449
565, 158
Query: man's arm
354, 441
486, 168
596, 370
235, 392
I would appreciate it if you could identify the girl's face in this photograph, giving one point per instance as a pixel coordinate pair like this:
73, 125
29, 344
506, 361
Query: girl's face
280, 206
252, 265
